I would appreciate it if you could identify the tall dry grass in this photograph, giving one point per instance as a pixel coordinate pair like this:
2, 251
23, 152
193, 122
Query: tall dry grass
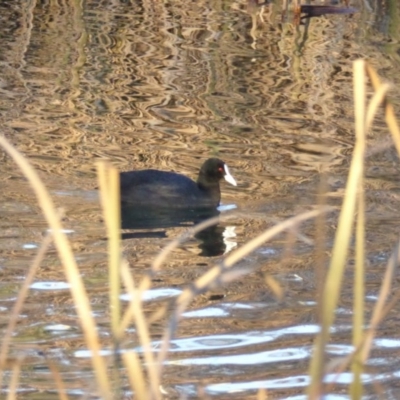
145, 374
353, 208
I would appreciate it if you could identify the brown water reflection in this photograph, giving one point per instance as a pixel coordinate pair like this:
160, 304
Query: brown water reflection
166, 85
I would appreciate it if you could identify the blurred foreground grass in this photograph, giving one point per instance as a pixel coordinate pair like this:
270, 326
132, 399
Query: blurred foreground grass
145, 373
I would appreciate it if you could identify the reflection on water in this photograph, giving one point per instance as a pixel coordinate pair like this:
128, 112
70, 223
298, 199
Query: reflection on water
146, 222
212, 242
50, 285
164, 85
135, 217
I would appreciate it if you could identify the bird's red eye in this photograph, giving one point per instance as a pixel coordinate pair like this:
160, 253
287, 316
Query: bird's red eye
220, 169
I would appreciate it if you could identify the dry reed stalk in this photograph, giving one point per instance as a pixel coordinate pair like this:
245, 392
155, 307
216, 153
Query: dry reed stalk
359, 83
61, 390
390, 117
108, 178
12, 388
22, 294
164, 253
342, 238
379, 306
262, 394
213, 276
380, 311
160, 258
135, 375
71, 270
356, 388
135, 308
354, 199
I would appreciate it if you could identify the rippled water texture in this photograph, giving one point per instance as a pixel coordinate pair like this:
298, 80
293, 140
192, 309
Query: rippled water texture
151, 84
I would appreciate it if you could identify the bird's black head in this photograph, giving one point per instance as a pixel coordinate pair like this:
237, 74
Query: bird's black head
212, 171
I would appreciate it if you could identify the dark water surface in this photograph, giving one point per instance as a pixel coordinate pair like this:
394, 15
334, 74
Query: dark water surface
166, 85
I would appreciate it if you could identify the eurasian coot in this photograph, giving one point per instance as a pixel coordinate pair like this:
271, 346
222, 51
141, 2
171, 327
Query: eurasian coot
153, 188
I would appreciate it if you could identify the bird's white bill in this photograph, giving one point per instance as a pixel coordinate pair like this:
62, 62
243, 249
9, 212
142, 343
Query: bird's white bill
228, 177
